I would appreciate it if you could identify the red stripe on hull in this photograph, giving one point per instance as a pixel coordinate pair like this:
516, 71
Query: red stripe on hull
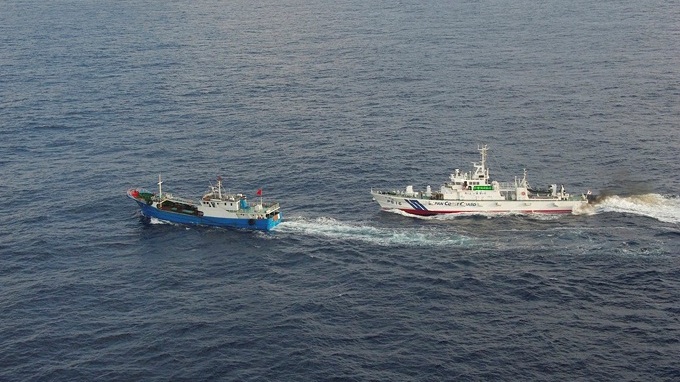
432, 213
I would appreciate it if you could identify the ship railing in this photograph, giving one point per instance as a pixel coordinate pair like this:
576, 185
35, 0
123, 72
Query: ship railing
168, 196
506, 186
270, 204
267, 205
416, 194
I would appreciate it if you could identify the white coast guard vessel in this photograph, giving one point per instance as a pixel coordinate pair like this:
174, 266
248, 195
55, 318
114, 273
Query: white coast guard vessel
216, 208
474, 192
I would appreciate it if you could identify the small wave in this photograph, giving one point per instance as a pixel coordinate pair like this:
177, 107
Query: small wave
335, 229
585, 209
154, 221
157, 221
660, 207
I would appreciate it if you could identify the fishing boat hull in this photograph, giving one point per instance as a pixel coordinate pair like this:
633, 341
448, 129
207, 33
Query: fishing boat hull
264, 224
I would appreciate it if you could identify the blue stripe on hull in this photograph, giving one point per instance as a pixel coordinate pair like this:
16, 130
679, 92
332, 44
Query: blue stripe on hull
416, 204
259, 224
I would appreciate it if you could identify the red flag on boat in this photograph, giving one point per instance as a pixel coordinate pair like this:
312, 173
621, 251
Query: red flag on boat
259, 192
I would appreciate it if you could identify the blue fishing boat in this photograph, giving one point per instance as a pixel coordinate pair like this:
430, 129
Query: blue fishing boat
216, 208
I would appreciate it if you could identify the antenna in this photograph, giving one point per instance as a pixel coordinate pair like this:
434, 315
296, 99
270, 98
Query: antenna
160, 188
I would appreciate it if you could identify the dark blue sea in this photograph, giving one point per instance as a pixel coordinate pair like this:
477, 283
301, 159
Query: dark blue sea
315, 102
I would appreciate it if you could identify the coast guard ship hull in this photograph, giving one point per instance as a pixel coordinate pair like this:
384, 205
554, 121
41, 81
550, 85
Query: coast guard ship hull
428, 207
475, 193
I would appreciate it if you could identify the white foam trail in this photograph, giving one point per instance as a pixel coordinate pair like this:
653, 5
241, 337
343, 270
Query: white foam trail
662, 208
154, 220
585, 209
334, 229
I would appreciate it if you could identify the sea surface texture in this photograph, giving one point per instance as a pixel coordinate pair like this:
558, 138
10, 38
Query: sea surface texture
316, 102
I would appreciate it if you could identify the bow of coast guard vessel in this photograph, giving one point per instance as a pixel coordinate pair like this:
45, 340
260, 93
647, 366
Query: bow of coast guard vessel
474, 192
216, 208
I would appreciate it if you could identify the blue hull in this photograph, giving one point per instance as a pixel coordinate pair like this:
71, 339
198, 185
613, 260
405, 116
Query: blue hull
254, 224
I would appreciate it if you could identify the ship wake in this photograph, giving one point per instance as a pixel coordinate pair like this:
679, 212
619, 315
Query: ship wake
665, 208
333, 229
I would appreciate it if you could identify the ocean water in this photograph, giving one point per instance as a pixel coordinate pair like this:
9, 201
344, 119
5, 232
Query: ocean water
316, 102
